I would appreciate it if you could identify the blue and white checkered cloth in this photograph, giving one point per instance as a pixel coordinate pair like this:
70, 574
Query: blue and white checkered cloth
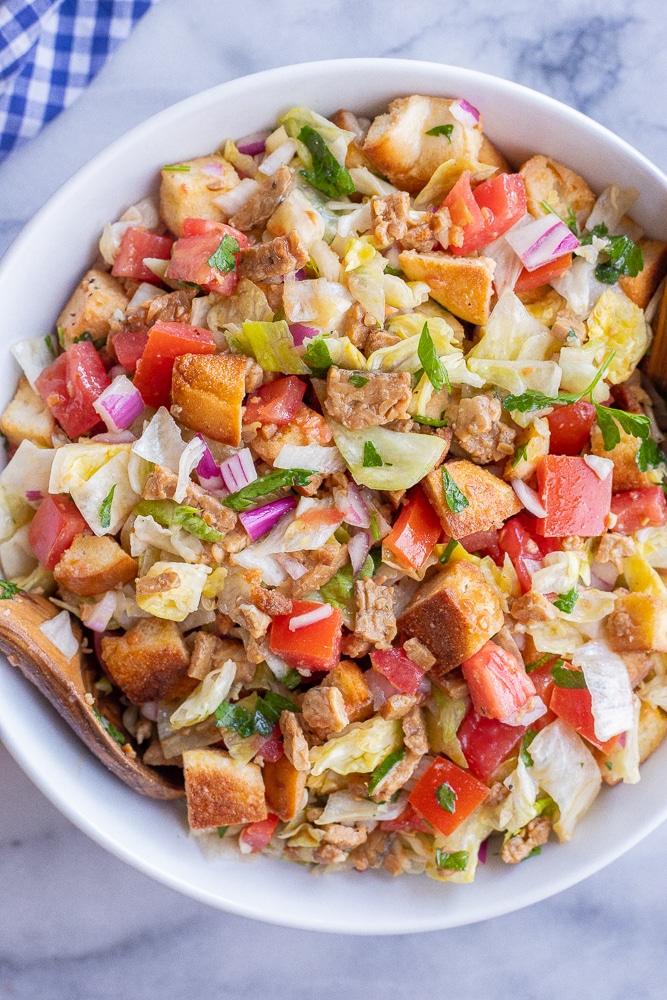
50, 50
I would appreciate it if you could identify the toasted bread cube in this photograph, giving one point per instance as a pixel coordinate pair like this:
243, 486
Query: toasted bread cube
491, 155
92, 565
399, 147
626, 474
490, 500
207, 392
149, 662
638, 623
642, 288
463, 285
559, 187
27, 418
306, 427
91, 307
190, 191
284, 787
453, 614
350, 681
220, 791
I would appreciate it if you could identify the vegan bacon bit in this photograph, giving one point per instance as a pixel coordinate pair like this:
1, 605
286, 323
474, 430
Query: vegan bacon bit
464, 668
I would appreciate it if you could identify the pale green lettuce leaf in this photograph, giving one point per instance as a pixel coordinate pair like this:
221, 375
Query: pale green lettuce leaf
565, 769
408, 457
360, 749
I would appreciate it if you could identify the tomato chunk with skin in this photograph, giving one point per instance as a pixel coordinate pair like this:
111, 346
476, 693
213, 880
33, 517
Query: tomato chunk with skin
573, 705
503, 201
498, 683
128, 347
542, 275
272, 748
486, 743
446, 783
465, 214
256, 836
167, 341
576, 500
69, 386
415, 532
191, 254
54, 527
518, 538
543, 680
635, 509
135, 246
276, 402
312, 647
398, 668
570, 427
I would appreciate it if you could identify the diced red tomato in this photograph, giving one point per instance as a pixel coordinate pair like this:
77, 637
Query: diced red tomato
408, 821
519, 539
576, 500
398, 668
135, 246
483, 543
444, 781
503, 201
166, 342
542, 275
129, 345
276, 402
256, 836
191, 253
573, 705
637, 509
70, 384
499, 685
54, 527
486, 743
313, 647
272, 748
570, 427
465, 214
543, 680
415, 532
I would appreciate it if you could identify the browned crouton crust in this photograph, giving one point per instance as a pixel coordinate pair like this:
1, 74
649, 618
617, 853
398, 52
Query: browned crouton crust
463, 285
383, 397
27, 418
148, 662
350, 681
490, 500
221, 791
91, 307
453, 614
207, 392
549, 181
284, 787
93, 565
642, 288
191, 192
324, 711
638, 623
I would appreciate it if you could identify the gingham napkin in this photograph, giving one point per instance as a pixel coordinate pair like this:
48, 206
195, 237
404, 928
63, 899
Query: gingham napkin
50, 50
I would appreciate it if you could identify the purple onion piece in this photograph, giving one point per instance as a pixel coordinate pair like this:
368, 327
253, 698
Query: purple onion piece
259, 521
300, 332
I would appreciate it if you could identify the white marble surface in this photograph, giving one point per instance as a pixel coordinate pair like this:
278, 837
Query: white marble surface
76, 923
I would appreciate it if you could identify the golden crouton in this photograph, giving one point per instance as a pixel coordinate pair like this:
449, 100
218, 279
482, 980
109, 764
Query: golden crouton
306, 427
491, 155
638, 623
642, 288
490, 500
284, 787
398, 144
221, 791
189, 192
559, 187
350, 681
626, 474
93, 565
453, 614
91, 307
207, 392
463, 285
27, 418
149, 662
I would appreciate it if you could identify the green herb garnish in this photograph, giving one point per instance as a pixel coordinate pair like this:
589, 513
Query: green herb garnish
8, 590
446, 797
521, 455
48, 340
372, 457
542, 662
262, 720
318, 356
446, 555
429, 421
528, 738
180, 168
570, 219
566, 602
625, 257
441, 130
170, 514
224, 258
456, 499
358, 381
431, 363
105, 508
86, 335
114, 733
632, 423
396, 271
60, 330
292, 679
222, 830
375, 527
566, 678
533, 400
383, 769
279, 478
326, 173
457, 861
649, 455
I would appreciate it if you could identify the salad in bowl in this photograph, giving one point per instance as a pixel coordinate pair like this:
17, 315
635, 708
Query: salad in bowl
345, 455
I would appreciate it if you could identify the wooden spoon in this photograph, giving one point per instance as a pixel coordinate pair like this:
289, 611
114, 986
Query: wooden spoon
63, 682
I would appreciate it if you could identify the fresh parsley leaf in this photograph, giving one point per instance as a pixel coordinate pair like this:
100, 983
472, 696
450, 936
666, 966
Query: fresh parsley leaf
533, 400
528, 738
105, 508
446, 797
632, 423
570, 219
431, 363
318, 357
224, 258
114, 733
542, 662
222, 830
383, 769
326, 174
649, 455
60, 330
396, 271
457, 861
375, 527
358, 381
262, 720
292, 679
455, 498
180, 168
236, 717
521, 455
86, 335
625, 258
446, 555
533, 852
429, 421
566, 678
279, 478
48, 340
441, 130
566, 602
170, 514
372, 457
608, 764
8, 590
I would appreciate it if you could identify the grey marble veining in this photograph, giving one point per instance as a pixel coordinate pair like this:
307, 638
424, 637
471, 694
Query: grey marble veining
77, 924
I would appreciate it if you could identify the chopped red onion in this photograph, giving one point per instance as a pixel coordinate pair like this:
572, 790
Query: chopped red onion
115, 437
116, 371
213, 168
252, 145
542, 241
101, 613
238, 471
300, 332
603, 576
464, 113
208, 470
120, 404
358, 548
356, 512
381, 688
33, 495
259, 521
310, 617
533, 709
481, 854
528, 497
602, 467
292, 566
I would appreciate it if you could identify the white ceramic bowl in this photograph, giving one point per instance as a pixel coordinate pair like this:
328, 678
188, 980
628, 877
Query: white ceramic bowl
153, 836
